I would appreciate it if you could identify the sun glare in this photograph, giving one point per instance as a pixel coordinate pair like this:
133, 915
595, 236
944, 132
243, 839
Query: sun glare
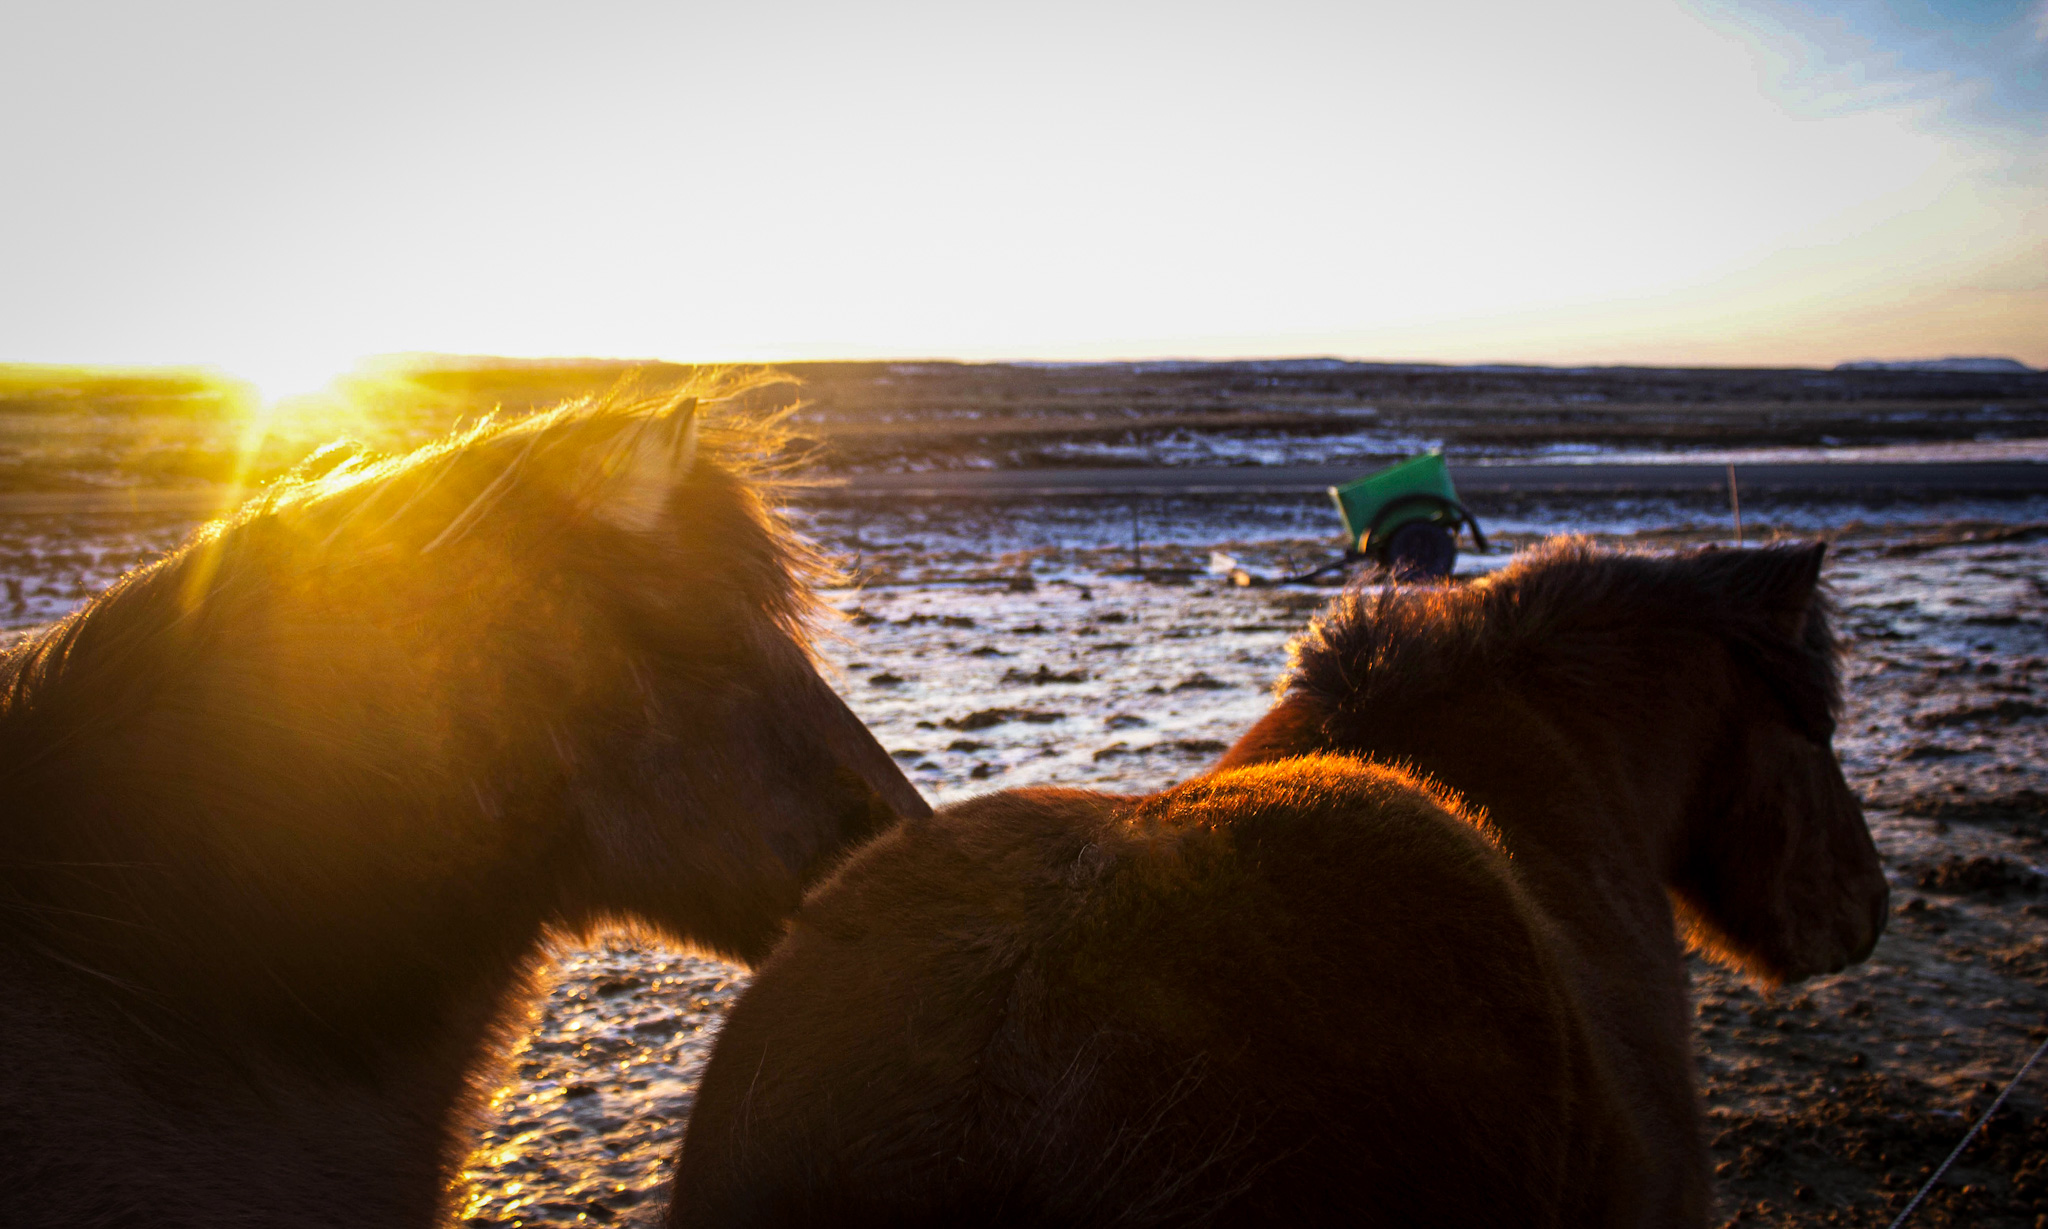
282, 379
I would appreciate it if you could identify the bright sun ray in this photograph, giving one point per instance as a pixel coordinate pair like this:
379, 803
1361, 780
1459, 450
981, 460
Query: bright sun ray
286, 387
280, 379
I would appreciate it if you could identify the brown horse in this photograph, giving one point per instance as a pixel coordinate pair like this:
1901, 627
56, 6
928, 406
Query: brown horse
1439, 986
288, 815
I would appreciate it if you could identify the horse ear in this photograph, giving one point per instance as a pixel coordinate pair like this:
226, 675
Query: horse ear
326, 459
657, 454
1784, 581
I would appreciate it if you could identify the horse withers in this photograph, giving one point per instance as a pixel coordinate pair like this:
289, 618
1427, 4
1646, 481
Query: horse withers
1407, 955
290, 815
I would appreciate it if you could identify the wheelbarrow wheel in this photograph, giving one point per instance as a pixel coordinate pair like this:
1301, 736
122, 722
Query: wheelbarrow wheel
1421, 550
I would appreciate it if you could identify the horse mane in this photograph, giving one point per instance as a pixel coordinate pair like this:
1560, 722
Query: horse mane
1567, 612
433, 496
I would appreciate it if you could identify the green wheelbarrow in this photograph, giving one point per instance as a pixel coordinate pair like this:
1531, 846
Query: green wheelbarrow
1406, 518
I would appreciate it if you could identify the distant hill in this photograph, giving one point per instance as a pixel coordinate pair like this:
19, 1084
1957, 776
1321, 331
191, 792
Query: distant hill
1973, 366
83, 429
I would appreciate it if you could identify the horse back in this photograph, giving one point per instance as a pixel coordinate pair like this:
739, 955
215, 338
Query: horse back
1305, 991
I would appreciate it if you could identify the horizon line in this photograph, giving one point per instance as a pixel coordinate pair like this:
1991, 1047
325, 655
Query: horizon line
479, 359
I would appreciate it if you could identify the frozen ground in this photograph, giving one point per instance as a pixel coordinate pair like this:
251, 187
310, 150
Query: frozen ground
51, 564
2034, 450
1371, 447
995, 645
907, 540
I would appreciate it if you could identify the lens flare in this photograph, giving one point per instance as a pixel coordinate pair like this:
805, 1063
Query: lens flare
284, 378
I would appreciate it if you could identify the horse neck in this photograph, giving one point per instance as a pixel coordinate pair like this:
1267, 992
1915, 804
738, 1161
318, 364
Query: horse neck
256, 1133
1569, 784
326, 965
1543, 784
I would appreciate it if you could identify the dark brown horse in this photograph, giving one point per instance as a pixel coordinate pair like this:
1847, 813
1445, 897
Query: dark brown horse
288, 816
1436, 986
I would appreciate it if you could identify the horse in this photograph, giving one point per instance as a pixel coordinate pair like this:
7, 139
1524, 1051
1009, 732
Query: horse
1408, 953
291, 816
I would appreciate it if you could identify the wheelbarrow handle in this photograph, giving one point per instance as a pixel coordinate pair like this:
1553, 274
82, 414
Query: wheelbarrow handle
1402, 504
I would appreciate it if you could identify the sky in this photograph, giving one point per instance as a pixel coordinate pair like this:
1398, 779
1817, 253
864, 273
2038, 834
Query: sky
279, 188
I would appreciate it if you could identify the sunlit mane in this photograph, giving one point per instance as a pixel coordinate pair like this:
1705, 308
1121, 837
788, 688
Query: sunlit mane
741, 441
346, 507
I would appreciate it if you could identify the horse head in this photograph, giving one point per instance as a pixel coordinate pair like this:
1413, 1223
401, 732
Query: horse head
549, 673
1700, 689
1776, 872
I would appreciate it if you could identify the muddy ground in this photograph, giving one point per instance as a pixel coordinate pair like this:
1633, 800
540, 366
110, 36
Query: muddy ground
1827, 1103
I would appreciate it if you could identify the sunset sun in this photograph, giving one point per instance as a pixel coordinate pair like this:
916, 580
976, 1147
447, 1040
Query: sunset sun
285, 378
